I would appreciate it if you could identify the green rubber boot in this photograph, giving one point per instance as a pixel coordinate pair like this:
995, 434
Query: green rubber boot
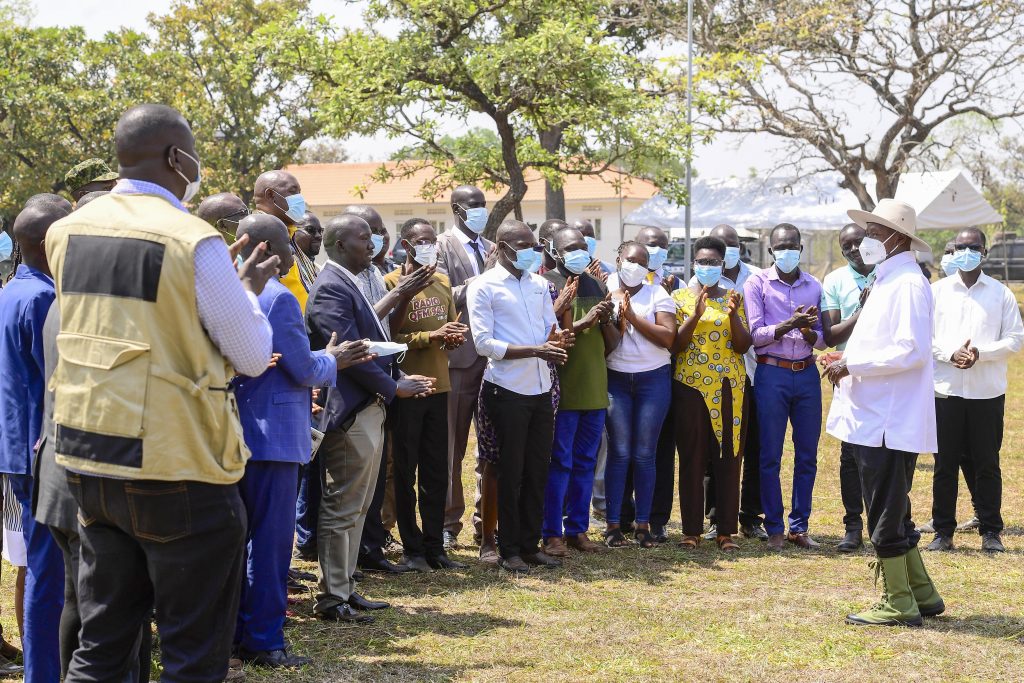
929, 602
897, 607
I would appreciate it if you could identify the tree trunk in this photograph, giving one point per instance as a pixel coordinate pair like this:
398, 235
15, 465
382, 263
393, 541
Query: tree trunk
511, 200
554, 197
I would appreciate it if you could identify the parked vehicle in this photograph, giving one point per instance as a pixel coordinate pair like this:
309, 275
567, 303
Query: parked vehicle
676, 261
1005, 260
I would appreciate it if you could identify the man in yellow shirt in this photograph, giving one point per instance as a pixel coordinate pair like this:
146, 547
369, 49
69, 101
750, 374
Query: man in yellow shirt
278, 194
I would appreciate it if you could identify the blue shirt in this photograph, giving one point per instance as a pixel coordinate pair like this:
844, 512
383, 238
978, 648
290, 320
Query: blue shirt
840, 291
24, 303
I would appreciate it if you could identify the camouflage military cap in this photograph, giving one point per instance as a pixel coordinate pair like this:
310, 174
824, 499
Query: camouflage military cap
89, 171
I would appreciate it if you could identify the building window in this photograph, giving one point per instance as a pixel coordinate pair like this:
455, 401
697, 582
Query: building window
398, 226
591, 207
436, 211
403, 212
597, 227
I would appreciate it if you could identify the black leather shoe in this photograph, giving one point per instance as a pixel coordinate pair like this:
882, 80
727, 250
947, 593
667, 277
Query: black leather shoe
442, 561
357, 575
941, 543
417, 563
451, 541
658, 532
852, 541
542, 559
344, 613
384, 566
308, 554
990, 542
514, 564
754, 531
358, 602
300, 575
273, 659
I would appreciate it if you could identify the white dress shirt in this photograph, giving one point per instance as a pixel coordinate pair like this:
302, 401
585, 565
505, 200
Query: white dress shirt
468, 245
356, 280
746, 270
889, 396
504, 311
988, 315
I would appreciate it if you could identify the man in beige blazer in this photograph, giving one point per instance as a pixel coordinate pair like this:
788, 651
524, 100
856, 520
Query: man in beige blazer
461, 255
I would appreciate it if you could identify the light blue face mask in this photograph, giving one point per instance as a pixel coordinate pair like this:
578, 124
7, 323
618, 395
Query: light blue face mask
538, 259
787, 259
946, 263
707, 275
378, 244
6, 246
576, 261
732, 257
476, 219
296, 205
591, 246
965, 260
525, 258
657, 258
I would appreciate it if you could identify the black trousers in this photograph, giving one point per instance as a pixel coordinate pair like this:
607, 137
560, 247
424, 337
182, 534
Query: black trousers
849, 488
371, 543
420, 450
173, 545
524, 427
886, 477
751, 513
970, 434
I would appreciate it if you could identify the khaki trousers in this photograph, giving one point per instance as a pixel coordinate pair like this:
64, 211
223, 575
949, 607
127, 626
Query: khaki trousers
462, 400
351, 461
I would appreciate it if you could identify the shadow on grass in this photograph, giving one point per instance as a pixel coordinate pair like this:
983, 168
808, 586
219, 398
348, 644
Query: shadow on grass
1000, 626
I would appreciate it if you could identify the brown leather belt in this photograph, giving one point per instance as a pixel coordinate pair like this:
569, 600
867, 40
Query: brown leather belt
794, 365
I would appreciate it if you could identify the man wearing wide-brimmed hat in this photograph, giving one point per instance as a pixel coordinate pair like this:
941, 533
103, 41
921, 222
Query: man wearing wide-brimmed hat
92, 175
884, 405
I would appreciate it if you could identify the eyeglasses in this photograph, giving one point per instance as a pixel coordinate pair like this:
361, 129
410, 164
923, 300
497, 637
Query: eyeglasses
708, 261
235, 217
972, 247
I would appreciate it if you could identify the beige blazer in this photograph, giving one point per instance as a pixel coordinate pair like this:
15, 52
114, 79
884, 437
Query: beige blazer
454, 261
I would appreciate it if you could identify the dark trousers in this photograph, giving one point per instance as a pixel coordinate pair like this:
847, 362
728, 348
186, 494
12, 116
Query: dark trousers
70, 544
307, 508
750, 479
970, 432
173, 545
375, 535
698, 450
886, 477
524, 427
268, 493
420, 452
849, 488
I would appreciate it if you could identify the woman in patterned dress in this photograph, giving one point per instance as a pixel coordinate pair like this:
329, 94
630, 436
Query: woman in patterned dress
707, 395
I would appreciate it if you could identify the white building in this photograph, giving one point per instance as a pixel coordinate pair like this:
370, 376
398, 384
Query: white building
603, 199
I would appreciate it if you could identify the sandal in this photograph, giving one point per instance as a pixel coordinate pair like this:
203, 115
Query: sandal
613, 538
726, 544
690, 542
645, 538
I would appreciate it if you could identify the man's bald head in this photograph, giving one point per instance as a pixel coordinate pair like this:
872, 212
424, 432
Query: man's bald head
585, 226
31, 225
155, 144
368, 214
549, 227
88, 197
465, 197
652, 237
271, 190
567, 239
223, 211
262, 227
726, 233
512, 230
347, 241
49, 198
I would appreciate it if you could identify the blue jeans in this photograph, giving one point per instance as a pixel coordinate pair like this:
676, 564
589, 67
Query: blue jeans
785, 396
307, 508
571, 473
639, 404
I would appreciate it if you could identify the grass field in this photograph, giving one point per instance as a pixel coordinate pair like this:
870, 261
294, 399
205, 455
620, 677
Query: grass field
665, 614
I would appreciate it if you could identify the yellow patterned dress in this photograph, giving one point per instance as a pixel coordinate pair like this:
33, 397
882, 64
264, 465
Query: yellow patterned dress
710, 357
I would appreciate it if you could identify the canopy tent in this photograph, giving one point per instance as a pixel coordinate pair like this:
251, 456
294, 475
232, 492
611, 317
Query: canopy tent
945, 200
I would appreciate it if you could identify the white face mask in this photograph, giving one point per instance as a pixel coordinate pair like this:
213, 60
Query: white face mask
425, 254
631, 274
386, 348
193, 185
872, 251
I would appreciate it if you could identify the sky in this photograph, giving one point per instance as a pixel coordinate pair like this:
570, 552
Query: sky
724, 157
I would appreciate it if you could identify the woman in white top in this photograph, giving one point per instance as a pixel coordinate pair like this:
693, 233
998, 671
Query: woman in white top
640, 387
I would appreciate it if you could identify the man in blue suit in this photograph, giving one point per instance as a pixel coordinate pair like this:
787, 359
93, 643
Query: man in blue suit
353, 418
275, 409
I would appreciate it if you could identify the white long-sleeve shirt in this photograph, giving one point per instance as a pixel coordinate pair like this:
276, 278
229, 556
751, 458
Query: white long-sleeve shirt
987, 315
505, 311
889, 396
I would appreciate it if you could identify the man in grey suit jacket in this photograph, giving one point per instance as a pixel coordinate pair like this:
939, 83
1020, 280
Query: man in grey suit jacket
461, 255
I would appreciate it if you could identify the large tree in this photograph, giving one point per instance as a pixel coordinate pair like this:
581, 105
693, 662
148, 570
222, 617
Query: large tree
859, 86
522, 66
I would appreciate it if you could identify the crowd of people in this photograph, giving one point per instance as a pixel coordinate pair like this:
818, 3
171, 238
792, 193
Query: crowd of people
188, 402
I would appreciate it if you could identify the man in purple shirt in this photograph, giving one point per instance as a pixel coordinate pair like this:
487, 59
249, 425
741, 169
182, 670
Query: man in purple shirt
782, 311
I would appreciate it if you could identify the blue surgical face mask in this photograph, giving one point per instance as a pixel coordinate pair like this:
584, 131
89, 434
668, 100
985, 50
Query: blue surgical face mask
787, 259
707, 275
476, 219
296, 205
538, 259
965, 260
525, 258
378, 244
591, 246
6, 246
946, 263
576, 261
657, 258
732, 256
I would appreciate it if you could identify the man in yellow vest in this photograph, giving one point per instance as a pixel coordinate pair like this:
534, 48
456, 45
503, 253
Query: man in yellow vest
278, 193
154, 323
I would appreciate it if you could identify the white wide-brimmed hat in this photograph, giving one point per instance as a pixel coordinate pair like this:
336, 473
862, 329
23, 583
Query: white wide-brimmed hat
894, 214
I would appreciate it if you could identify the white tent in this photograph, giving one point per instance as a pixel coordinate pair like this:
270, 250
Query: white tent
945, 200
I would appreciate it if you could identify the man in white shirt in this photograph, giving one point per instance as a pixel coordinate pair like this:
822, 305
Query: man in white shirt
977, 328
883, 405
514, 327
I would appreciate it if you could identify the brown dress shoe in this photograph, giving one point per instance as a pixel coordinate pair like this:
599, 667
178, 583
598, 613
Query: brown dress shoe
489, 554
555, 547
583, 543
802, 540
777, 541
235, 671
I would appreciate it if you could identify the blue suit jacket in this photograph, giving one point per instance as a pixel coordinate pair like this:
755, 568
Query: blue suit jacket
335, 304
275, 407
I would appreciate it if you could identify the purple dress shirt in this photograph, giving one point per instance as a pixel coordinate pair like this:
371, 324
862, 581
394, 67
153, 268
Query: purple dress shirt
770, 301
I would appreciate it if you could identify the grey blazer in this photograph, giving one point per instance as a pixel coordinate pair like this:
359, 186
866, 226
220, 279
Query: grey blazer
54, 504
453, 261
